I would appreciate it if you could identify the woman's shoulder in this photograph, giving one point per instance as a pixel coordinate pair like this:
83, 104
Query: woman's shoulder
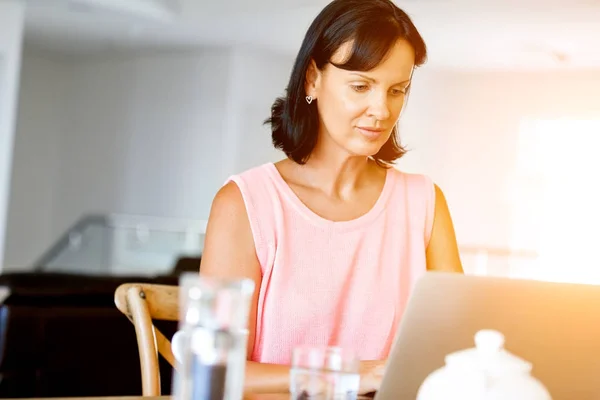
417, 191
253, 186
235, 188
256, 172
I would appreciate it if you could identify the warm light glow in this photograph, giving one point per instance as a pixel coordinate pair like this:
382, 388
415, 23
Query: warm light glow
557, 199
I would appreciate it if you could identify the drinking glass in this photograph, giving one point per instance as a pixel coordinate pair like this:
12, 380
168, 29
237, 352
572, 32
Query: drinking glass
213, 337
324, 373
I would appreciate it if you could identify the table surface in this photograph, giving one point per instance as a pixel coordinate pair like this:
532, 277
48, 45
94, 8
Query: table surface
271, 396
264, 396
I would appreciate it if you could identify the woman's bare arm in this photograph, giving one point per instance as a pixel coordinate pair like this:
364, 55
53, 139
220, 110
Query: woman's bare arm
229, 252
442, 251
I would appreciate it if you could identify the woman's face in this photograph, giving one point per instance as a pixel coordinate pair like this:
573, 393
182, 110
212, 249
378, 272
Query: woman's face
358, 110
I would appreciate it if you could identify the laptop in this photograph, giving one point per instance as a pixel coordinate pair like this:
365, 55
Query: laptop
555, 326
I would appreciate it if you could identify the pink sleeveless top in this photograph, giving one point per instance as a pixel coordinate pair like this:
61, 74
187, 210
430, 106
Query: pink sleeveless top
334, 283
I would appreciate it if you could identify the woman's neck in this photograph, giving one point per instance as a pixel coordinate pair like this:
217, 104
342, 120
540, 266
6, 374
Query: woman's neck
338, 176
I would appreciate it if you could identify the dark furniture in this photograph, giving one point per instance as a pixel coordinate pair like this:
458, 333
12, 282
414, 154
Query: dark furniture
62, 336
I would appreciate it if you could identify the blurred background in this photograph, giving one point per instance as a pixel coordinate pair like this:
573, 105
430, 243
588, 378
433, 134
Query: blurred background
120, 119
143, 108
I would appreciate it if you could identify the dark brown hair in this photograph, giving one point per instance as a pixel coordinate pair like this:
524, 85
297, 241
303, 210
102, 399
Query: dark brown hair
373, 26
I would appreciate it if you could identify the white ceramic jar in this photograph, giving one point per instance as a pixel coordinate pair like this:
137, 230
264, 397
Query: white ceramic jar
486, 372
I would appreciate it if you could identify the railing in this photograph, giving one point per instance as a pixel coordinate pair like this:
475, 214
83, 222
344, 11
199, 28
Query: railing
129, 244
124, 244
497, 261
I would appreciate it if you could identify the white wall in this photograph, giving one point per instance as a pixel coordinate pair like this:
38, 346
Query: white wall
11, 36
41, 126
148, 135
257, 79
144, 136
464, 129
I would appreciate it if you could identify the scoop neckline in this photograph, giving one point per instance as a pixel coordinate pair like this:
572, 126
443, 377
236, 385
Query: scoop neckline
316, 219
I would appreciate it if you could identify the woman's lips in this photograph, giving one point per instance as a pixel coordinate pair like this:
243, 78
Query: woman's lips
370, 133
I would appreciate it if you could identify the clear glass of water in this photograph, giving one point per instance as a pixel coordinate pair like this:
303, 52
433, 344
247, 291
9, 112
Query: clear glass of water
324, 373
213, 338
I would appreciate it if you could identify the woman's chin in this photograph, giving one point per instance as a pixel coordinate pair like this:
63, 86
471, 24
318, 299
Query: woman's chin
365, 148
364, 151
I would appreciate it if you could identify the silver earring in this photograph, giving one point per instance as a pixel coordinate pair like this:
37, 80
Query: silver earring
309, 99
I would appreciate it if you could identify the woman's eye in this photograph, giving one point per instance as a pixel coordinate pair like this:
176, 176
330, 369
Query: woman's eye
360, 88
398, 92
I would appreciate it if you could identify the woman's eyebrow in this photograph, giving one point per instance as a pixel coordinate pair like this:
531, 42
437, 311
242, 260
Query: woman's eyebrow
368, 78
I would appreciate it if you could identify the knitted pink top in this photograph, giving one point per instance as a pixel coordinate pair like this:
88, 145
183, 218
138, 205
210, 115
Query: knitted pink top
334, 283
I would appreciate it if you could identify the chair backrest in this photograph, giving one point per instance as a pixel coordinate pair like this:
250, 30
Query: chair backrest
142, 303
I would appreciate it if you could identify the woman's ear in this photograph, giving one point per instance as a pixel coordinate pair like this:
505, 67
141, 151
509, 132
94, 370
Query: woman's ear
313, 79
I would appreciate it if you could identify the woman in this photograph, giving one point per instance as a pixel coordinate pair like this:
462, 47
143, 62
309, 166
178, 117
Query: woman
333, 237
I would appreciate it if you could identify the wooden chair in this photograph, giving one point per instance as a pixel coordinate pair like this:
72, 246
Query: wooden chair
142, 303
